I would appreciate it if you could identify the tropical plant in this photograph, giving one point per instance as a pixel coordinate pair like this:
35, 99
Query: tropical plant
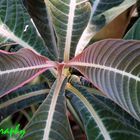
70, 55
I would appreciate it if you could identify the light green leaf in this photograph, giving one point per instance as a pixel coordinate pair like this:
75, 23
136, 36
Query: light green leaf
103, 119
21, 98
16, 26
103, 12
134, 32
50, 120
69, 19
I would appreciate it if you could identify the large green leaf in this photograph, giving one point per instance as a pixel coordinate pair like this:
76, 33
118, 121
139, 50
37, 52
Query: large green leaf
103, 12
69, 19
16, 25
50, 120
21, 98
103, 119
134, 32
42, 19
113, 66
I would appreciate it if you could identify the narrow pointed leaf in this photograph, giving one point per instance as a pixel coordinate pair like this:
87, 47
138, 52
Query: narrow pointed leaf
16, 26
103, 12
50, 120
134, 33
22, 98
16, 69
42, 19
69, 20
102, 118
113, 66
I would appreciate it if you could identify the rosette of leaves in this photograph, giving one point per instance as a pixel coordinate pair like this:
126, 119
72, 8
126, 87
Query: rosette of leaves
58, 39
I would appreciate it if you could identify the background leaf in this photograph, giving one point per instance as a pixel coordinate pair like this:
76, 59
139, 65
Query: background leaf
103, 13
134, 33
116, 28
4, 124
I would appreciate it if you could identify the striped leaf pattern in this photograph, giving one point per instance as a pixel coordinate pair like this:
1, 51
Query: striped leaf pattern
42, 19
19, 28
69, 17
102, 118
103, 12
50, 121
114, 67
16, 69
22, 98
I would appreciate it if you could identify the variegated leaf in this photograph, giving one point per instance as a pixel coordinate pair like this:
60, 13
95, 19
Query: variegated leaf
16, 69
113, 66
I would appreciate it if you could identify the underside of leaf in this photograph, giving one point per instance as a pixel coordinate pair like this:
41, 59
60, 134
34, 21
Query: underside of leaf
16, 69
113, 66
